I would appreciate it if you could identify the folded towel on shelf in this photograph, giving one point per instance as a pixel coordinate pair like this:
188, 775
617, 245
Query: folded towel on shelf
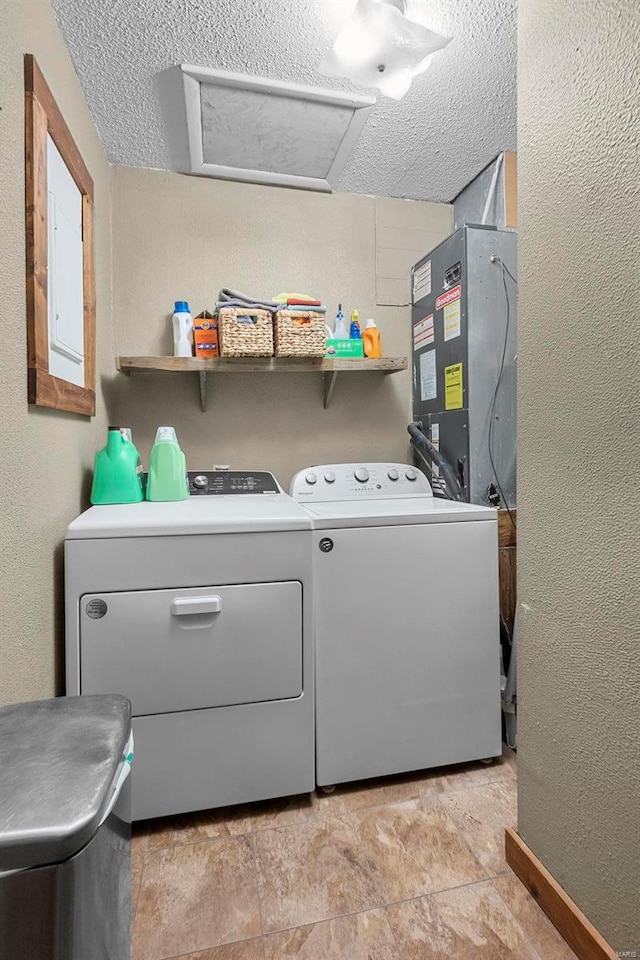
302, 308
234, 298
247, 305
284, 297
299, 302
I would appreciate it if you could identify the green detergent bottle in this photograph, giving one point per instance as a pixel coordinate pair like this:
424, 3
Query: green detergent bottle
167, 478
116, 478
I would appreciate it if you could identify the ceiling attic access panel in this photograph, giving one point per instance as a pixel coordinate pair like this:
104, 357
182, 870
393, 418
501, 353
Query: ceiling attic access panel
266, 131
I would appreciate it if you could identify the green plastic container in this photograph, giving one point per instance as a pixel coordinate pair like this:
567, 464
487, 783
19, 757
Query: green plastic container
344, 349
167, 478
116, 477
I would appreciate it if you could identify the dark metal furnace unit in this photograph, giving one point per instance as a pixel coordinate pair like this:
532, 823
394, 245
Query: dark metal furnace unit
464, 358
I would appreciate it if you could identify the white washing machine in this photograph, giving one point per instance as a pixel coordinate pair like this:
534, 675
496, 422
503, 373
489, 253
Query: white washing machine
406, 620
200, 612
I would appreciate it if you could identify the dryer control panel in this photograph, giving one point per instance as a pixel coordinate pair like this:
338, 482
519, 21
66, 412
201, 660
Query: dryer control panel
231, 482
358, 481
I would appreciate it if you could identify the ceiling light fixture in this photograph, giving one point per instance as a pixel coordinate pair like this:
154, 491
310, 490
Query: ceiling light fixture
380, 47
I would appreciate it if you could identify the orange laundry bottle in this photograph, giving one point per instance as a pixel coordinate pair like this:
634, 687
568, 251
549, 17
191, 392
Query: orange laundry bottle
372, 341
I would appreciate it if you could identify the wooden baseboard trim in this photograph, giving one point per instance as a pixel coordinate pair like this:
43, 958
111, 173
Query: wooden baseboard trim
569, 921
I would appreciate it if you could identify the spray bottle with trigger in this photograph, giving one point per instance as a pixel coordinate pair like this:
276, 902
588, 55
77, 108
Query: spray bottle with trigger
340, 331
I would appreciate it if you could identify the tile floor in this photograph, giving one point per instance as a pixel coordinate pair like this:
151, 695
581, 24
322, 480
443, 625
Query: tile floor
405, 868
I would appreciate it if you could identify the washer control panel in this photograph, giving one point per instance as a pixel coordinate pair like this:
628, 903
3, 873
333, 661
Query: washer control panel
359, 481
230, 482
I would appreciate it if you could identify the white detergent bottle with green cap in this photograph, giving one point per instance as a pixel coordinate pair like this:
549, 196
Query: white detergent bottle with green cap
167, 478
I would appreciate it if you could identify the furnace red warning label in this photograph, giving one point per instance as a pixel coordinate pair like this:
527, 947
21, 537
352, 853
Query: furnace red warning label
450, 296
423, 332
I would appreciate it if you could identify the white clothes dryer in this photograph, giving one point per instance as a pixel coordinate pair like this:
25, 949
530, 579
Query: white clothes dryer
406, 622
200, 612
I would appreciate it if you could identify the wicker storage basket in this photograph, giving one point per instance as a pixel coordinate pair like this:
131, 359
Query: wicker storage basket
300, 334
244, 332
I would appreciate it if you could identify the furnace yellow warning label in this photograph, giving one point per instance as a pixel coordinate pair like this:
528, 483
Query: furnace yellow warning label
453, 387
451, 320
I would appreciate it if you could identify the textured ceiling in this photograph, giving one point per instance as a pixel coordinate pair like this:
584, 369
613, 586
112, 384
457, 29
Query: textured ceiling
454, 120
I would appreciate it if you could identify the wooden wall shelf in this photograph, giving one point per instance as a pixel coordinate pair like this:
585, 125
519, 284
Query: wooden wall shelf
328, 367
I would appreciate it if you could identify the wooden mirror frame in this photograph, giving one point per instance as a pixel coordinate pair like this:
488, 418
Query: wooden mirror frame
42, 117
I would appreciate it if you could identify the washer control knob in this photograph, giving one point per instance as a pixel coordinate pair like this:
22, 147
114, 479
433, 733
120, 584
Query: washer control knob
201, 482
311, 478
411, 475
330, 477
361, 474
393, 475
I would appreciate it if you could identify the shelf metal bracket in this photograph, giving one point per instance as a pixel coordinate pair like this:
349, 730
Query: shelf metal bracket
328, 384
202, 377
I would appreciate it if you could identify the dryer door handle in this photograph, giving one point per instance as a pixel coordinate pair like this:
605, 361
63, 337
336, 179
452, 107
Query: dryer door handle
188, 606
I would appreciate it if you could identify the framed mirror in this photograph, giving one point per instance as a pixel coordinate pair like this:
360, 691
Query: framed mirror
61, 309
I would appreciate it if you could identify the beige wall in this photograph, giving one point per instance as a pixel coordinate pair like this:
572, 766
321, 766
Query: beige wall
44, 456
178, 237
579, 448
174, 237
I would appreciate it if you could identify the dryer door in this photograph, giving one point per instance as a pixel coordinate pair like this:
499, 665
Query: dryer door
172, 650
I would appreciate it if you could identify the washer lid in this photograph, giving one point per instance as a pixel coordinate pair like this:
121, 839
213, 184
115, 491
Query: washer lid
259, 513
374, 513
58, 760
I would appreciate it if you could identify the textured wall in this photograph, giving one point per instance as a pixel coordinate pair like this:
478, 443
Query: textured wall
179, 237
452, 122
579, 447
44, 455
